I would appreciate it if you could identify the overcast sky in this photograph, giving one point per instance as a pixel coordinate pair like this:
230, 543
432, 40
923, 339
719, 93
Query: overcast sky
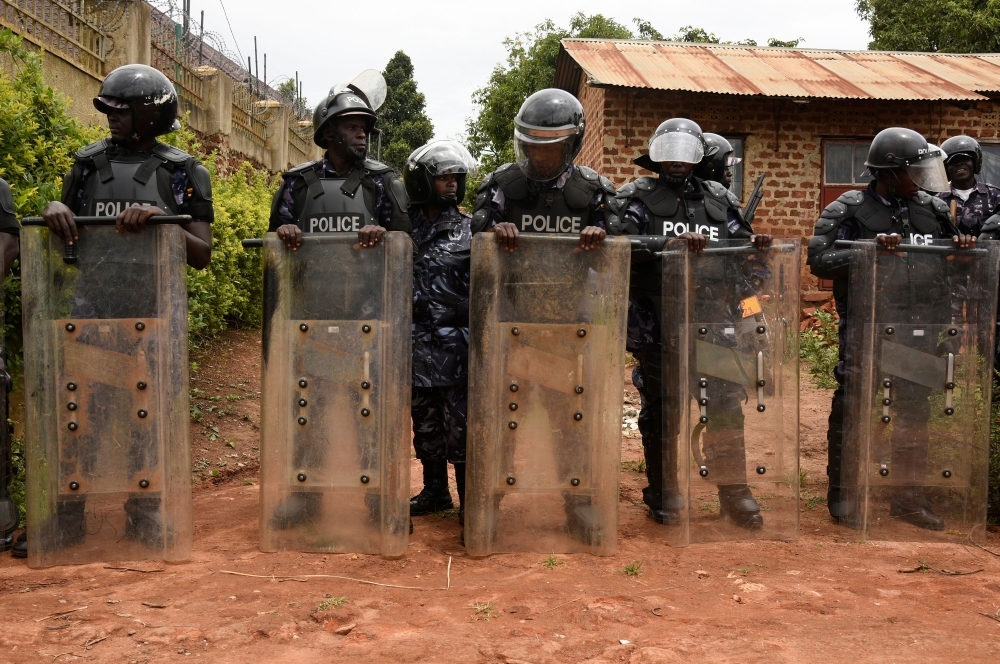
455, 45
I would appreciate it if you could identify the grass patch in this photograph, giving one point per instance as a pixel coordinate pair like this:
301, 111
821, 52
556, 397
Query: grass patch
633, 568
818, 346
812, 502
634, 466
331, 602
484, 611
552, 562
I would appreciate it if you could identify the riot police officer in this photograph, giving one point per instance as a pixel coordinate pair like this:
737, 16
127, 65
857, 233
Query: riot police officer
435, 177
543, 191
895, 207
10, 517
134, 177
680, 204
974, 201
345, 191
717, 164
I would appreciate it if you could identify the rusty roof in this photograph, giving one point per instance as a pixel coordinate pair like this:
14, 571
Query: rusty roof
777, 72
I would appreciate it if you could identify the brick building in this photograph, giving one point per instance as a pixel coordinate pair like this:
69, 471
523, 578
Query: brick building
803, 117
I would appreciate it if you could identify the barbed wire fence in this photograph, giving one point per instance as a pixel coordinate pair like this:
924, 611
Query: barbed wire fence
181, 46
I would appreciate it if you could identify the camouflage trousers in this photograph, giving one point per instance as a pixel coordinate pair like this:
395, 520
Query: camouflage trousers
439, 422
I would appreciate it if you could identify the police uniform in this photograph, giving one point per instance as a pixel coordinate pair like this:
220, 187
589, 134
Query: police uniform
973, 211
441, 265
317, 199
577, 198
863, 215
650, 207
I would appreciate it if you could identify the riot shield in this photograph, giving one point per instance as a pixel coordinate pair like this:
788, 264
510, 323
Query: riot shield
730, 355
106, 379
546, 367
918, 386
335, 395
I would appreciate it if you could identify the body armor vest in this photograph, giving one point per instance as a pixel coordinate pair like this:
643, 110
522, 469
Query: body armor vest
339, 205
674, 216
124, 181
565, 211
917, 223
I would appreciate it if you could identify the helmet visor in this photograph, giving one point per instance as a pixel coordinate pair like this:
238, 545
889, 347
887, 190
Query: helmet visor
731, 160
676, 146
443, 158
930, 174
542, 160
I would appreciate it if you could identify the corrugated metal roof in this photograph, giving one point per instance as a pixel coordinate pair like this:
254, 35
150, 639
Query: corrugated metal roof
778, 72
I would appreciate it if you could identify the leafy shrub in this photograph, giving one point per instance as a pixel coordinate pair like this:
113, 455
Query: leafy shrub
818, 346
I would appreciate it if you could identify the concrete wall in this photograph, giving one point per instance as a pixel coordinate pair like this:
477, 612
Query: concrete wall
211, 117
782, 139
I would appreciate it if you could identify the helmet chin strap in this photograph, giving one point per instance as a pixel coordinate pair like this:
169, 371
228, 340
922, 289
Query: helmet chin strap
353, 153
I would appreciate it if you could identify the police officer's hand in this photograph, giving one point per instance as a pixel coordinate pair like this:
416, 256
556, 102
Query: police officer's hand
134, 219
964, 241
291, 235
370, 235
591, 236
696, 241
890, 241
506, 233
761, 241
59, 218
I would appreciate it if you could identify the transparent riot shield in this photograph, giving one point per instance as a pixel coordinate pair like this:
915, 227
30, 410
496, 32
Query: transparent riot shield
919, 379
106, 380
546, 368
335, 396
730, 355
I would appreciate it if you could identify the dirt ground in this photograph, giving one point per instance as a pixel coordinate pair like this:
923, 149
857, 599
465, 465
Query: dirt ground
823, 597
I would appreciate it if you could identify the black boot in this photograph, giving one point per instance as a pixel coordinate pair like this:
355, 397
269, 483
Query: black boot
736, 502
20, 548
460, 485
10, 517
910, 504
435, 495
664, 508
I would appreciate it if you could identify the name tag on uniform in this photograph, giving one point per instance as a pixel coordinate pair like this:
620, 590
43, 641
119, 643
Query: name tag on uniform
550, 223
108, 208
338, 222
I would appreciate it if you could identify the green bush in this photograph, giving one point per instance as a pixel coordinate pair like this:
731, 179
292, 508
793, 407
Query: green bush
818, 346
230, 290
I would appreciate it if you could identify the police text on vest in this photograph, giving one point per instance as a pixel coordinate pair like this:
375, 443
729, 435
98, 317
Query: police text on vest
550, 223
677, 228
336, 223
115, 208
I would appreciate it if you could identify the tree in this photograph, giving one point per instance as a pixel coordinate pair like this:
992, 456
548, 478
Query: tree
646, 30
286, 89
405, 126
689, 33
530, 66
950, 26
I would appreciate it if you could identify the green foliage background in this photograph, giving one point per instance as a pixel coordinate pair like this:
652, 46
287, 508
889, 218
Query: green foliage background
402, 119
950, 26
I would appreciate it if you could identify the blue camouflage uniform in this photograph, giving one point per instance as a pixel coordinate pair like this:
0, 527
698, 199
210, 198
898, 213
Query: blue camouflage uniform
441, 269
970, 214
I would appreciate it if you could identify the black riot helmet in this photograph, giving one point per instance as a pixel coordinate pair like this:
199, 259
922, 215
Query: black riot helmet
967, 146
901, 148
149, 94
430, 161
677, 139
718, 158
343, 101
550, 117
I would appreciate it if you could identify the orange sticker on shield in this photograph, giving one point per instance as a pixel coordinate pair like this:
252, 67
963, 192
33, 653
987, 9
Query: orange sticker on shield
750, 306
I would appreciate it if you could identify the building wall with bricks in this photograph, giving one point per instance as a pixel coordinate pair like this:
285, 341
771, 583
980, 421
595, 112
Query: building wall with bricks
782, 138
